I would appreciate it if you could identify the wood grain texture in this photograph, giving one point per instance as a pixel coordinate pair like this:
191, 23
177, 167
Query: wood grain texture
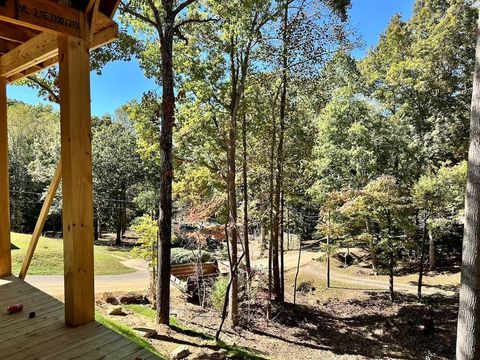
77, 187
47, 337
5, 252
40, 48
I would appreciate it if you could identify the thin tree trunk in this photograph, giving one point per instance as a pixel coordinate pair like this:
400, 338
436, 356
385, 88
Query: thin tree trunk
431, 251
297, 271
245, 196
271, 223
328, 252
95, 226
282, 255
99, 225
468, 331
166, 168
422, 258
226, 300
277, 293
288, 228
373, 254
118, 240
263, 238
232, 220
390, 265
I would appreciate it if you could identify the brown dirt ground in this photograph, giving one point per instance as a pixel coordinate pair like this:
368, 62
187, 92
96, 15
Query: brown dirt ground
352, 324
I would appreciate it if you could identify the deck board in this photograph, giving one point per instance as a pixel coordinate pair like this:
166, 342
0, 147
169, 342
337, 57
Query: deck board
47, 337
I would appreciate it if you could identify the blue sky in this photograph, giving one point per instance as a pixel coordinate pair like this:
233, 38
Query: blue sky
121, 82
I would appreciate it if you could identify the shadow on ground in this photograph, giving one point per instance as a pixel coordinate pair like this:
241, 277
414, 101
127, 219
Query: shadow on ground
373, 328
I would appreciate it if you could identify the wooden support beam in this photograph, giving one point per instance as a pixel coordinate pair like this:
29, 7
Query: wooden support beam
44, 15
33, 70
41, 220
50, 16
7, 46
40, 48
101, 38
93, 14
5, 247
77, 186
16, 33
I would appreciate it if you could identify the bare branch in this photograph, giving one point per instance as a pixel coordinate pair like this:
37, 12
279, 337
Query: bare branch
182, 6
193, 21
126, 9
53, 96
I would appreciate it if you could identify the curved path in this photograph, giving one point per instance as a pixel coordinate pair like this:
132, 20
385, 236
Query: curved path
135, 281
139, 280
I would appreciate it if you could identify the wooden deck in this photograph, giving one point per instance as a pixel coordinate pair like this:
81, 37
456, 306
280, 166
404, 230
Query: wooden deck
47, 337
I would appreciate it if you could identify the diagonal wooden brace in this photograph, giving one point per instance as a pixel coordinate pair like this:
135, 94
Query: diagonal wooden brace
41, 220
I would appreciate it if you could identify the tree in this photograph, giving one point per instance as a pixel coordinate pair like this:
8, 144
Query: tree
165, 20
439, 199
468, 329
421, 73
305, 35
329, 226
224, 53
116, 170
34, 149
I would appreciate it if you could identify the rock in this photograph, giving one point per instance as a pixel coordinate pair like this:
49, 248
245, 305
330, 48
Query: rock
132, 298
379, 332
211, 355
180, 353
200, 356
117, 311
146, 333
109, 298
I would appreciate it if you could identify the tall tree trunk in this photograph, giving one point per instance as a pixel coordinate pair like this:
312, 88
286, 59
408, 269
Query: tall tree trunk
232, 219
271, 255
422, 258
328, 252
245, 195
263, 237
373, 253
166, 168
282, 250
124, 215
431, 251
95, 224
468, 331
277, 286
297, 271
118, 240
288, 228
99, 226
390, 266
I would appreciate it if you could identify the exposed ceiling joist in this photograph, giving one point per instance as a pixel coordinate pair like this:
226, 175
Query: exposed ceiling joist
36, 50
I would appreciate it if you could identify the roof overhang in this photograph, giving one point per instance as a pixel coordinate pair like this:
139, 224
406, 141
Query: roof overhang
29, 31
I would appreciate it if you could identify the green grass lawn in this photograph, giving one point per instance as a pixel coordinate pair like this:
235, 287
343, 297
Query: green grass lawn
48, 257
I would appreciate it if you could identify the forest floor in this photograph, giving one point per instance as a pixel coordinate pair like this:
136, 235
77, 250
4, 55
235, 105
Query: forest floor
361, 325
353, 319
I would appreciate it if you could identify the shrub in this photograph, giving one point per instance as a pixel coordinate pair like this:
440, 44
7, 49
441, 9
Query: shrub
217, 297
185, 256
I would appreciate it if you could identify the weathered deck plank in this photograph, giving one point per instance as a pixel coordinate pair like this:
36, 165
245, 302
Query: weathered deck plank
47, 337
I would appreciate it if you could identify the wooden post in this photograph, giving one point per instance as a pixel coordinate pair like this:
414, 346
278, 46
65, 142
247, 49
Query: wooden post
5, 247
76, 180
41, 220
